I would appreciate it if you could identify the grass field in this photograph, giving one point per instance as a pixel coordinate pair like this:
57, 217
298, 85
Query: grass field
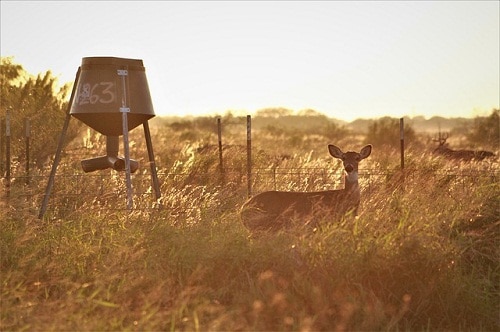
422, 254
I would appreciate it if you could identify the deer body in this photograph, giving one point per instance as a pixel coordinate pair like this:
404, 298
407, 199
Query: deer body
272, 210
465, 155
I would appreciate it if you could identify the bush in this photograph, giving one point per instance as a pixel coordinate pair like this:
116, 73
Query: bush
485, 131
385, 132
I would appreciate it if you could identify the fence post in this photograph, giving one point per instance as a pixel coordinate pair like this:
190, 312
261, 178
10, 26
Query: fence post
221, 165
402, 141
7, 151
402, 145
2, 146
274, 176
249, 155
27, 129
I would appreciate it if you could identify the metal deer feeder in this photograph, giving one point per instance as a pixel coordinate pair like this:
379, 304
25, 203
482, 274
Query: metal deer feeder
110, 95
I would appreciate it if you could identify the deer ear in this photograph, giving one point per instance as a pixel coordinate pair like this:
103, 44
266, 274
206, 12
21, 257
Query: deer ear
366, 151
335, 151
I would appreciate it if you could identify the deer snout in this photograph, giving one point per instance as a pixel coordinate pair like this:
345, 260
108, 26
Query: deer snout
349, 168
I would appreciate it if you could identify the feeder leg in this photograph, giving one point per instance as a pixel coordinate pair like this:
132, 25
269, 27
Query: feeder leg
152, 163
57, 159
130, 202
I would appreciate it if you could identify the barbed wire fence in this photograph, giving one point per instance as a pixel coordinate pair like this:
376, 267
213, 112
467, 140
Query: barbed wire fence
106, 191
75, 190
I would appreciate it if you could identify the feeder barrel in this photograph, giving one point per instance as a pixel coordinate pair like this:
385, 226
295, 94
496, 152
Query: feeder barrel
99, 94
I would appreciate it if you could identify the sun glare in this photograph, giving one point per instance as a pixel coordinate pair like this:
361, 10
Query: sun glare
343, 59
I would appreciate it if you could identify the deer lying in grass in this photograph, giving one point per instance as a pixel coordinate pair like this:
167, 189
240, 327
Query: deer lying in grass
273, 210
465, 155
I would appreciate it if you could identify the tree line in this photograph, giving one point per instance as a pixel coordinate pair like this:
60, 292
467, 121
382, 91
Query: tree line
40, 99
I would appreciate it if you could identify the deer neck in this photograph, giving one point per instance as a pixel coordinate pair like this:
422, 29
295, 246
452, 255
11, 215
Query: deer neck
352, 192
351, 181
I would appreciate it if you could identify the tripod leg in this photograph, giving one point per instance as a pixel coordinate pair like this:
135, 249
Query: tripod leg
152, 164
130, 202
57, 157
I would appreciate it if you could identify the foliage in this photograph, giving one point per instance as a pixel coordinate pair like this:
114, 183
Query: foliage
486, 130
386, 132
37, 99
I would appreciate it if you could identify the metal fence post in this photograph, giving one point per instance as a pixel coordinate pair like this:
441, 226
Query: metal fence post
27, 134
7, 151
2, 146
221, 164
402, 145
249, 155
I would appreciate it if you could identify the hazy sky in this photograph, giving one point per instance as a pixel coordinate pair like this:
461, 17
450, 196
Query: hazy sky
344, 59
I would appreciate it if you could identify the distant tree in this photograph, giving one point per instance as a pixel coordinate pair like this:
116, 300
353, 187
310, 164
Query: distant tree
385, 132
311, 112
273, 112
486, 130
36, 98
334, 132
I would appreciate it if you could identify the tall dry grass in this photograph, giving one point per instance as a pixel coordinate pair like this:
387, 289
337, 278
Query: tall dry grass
422, 255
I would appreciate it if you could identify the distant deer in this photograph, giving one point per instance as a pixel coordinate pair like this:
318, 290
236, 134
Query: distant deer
273, 210
465, 155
